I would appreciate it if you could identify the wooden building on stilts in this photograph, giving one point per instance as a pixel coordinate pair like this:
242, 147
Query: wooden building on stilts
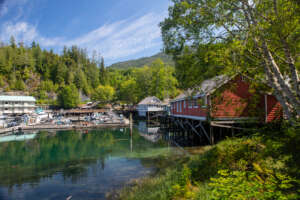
151, 107
222, 102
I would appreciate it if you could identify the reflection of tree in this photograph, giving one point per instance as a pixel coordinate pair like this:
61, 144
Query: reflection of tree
67, 152
102, 159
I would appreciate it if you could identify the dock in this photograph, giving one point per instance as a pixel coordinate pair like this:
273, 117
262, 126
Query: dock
62, 127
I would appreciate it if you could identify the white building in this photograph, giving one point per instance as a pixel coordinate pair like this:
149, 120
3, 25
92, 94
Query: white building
17, 104
150, 105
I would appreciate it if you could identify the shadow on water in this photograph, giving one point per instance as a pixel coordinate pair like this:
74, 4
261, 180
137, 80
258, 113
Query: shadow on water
84, 165
153, 133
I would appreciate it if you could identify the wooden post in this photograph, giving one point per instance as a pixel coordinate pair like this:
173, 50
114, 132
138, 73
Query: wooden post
130, 119
147, 116
131, 142
212, 139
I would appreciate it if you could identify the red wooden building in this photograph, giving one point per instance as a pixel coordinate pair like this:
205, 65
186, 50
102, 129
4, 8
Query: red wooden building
224, 99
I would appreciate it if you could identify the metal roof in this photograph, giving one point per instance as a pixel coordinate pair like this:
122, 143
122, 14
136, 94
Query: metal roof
150, 101
206, 87
17, 98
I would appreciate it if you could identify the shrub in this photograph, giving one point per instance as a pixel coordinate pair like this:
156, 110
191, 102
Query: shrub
241, 185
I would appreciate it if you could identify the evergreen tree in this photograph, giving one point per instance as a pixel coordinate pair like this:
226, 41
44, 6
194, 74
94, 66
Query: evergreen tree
12, 42
102, 75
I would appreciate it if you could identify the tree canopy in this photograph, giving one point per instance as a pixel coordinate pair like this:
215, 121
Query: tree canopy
104, 94
258, 38
45, 74
157, 79
68, 97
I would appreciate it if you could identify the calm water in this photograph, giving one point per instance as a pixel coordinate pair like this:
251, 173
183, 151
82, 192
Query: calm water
84, 165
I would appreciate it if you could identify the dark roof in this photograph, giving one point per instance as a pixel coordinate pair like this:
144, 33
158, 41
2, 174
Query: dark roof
150, 101
205, 88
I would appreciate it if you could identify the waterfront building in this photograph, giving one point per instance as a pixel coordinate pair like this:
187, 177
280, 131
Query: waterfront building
227, 99
17, 105
150, 106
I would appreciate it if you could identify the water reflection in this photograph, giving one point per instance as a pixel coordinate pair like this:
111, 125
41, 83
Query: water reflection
149, 132
84, 165
22, 137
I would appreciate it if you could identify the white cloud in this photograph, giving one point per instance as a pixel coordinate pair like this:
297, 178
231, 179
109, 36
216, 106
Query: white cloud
125, 38
26, 33
95, 35
114, 41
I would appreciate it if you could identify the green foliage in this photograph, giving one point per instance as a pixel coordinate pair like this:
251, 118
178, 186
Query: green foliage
68, 97
129, 87
31, 69
197, 64
1, 81
142, 62
241, 185
102, 73
41, 73
265, 167
163, 83
19, 85
133, 85
257, 38
104, 94
156, 80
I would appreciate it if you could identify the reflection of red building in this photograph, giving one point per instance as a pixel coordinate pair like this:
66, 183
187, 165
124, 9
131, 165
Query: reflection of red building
226, 99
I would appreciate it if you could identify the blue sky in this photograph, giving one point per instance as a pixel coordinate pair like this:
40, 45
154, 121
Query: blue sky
118, 29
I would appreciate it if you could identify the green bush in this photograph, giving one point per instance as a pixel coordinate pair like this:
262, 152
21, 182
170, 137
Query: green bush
242, 185
265, 166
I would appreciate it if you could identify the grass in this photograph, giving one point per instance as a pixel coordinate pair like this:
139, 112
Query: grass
265, 166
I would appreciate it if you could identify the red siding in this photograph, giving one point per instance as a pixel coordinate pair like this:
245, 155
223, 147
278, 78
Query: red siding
234, 100
274, 109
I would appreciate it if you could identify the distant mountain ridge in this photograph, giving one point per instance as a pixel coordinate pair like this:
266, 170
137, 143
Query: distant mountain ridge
143, 61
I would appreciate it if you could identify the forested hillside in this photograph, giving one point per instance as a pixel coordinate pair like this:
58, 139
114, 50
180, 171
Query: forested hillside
58, 79
143, 61
41, 73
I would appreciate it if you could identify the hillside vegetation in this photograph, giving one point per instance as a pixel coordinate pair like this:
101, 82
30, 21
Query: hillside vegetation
59, 79
143, 61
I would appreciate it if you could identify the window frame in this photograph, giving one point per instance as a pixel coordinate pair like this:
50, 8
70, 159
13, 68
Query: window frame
204, 101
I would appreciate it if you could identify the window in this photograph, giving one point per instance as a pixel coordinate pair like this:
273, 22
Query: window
195, 102
180, 106
204, 102
177, 109
184, 104
6, 102
190, 103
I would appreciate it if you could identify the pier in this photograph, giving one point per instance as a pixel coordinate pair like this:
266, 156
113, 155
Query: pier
197, 132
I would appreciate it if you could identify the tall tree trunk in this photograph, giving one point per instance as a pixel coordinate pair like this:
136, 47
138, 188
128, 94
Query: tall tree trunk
277, 76
293, 70
280, 93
